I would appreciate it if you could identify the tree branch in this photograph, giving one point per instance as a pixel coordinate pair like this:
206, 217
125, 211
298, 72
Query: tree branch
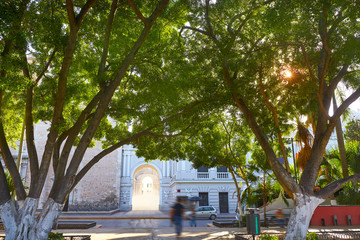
8, 158
344, 105
137, 11
196, 30
325, 56
102, 106
158, 10
303, 50
4, 188
229, 26
109, 25
134, 137
343, 71
307, 62
207, 20
61, 93
335, 186
276, 119
70, 12
285, 179
337, 21
71, 135
80, 17
45, 67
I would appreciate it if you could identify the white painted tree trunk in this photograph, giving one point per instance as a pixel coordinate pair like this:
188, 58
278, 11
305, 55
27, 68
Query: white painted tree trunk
301, 214
8, 215
24, 224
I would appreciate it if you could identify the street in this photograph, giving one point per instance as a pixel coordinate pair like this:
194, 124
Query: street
144, 223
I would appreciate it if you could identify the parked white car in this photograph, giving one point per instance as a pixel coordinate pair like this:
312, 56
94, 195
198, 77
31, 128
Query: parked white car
208, 212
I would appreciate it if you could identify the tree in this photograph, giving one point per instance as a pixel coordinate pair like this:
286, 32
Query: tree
278, 60
81, 74
335, 61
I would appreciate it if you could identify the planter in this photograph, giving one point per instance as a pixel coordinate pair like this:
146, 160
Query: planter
226, 223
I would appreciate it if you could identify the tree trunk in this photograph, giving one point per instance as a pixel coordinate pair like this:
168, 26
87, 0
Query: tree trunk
341, 143
23, 224
301, 214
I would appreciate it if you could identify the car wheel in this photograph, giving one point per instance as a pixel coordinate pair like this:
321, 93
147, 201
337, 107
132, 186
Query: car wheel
212, 217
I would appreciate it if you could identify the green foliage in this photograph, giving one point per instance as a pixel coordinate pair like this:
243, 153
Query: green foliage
352, 132
312, 236
10, 183
349, 194
55, 236
268, 237
330, 170
352, 158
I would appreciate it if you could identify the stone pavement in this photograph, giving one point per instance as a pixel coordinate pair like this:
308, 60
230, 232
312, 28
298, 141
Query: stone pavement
189, 233
154, 234
136, 214
163, 233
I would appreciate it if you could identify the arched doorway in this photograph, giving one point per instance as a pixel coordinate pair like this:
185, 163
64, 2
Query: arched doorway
145, 192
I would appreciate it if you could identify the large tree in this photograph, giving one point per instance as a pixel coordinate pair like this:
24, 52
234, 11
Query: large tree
277, 61
318, 43
75, 65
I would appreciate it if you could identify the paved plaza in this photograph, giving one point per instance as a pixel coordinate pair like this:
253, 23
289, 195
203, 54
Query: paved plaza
144, 225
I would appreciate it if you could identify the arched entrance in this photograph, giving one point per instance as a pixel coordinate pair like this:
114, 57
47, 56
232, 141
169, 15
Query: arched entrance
145, 192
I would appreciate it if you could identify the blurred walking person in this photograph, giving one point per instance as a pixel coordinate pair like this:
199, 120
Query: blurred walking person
193, 218
280, 218
177, 215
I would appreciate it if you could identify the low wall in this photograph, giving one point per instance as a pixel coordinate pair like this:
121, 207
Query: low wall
324, 216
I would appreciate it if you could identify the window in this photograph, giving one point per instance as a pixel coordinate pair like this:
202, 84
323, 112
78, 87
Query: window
203, 172
203, 169
222, 169
222, 172
204, 199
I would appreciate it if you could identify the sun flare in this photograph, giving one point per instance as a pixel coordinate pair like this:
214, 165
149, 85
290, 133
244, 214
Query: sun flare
287, 73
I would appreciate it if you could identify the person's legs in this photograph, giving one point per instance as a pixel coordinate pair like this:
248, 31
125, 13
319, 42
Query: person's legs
192, 221
178, 225
283, 222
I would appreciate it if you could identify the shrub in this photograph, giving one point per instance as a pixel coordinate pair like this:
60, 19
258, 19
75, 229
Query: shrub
312, 236
268, 237
56, 236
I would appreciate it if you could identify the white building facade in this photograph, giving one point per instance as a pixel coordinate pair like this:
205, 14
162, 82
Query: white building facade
162, 181
122, 181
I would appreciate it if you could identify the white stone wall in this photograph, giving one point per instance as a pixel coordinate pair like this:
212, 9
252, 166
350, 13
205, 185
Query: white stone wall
108, 185
176, 179
98, 190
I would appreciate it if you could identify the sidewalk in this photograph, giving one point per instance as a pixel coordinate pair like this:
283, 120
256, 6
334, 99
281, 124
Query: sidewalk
164, 233
136, 214
167, 233
154, 234
189, 233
